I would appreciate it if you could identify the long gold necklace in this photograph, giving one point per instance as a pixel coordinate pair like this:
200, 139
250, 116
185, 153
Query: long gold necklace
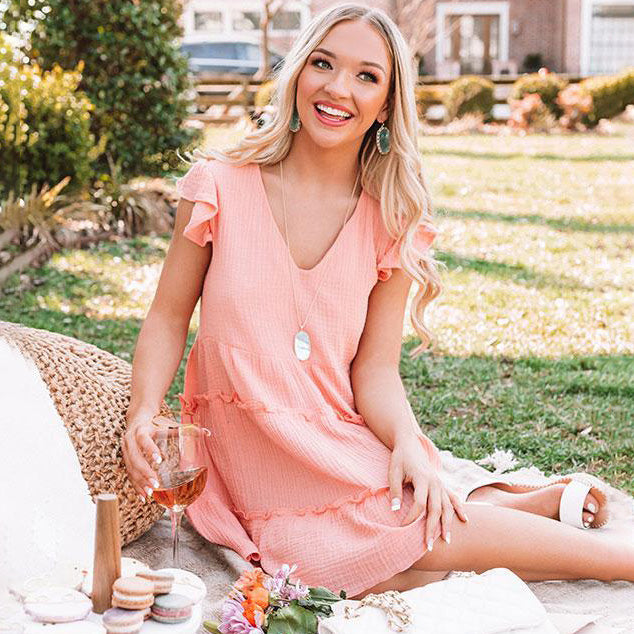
301, 342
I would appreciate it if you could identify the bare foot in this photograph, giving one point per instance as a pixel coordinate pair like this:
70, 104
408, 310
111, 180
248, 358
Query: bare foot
543, 501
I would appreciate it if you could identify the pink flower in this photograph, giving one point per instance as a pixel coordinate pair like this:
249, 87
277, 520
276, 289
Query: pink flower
280, 584
298, 591
233, 620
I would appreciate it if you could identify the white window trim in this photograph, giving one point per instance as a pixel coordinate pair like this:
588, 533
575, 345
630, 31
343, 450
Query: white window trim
586, 22
444, 9
227, 7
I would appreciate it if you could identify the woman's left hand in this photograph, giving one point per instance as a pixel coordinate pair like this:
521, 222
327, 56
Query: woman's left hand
410, 463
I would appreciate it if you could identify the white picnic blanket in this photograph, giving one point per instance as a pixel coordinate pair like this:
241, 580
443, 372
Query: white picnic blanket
566, 602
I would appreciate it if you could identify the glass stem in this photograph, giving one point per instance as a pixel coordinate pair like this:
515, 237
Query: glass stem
176, 517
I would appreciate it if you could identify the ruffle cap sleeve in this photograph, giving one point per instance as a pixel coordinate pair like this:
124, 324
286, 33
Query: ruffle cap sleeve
199, 186
390, 257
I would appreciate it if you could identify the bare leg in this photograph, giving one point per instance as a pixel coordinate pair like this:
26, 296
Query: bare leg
538, 546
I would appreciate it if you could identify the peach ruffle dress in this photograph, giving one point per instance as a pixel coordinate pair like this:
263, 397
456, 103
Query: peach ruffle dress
295, 474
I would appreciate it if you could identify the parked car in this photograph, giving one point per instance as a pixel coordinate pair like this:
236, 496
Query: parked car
218, 54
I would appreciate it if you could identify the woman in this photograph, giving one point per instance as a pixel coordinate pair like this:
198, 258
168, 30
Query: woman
295, 368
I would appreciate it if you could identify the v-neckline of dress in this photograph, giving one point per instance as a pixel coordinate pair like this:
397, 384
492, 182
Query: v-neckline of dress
280, 237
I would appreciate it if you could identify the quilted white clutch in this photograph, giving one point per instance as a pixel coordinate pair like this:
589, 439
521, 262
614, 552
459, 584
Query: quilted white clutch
493, 602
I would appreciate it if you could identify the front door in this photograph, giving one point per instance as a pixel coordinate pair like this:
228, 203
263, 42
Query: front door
473, 41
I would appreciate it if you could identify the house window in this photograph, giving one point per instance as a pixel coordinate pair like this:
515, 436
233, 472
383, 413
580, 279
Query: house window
287, 21
246, 20
208, 21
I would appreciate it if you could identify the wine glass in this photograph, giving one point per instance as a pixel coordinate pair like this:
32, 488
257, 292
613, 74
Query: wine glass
182, 473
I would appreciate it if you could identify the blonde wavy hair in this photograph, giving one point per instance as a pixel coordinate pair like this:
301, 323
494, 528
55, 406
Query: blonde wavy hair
395, 179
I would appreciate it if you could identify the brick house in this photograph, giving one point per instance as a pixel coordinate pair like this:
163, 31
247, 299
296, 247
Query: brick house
584, 37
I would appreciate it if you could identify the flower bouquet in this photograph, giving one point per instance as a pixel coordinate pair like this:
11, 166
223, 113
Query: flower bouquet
259, 603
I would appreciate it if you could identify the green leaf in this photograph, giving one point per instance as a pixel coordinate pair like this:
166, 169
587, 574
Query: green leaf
211, 626
292, 619
322, 595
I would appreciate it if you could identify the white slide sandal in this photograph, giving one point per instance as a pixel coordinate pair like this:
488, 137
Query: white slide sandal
571, 504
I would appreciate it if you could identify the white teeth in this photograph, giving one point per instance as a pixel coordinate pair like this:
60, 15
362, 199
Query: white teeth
333, 111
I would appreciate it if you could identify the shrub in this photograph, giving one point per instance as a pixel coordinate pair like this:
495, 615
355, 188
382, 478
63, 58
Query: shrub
425, 97
532, 62
546, 85
530, 113
469, 94
134, 72
44, 128
575, 104
610, 95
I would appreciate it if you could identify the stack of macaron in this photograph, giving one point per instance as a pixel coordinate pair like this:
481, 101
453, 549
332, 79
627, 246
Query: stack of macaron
168, 606
131, 601
146, 595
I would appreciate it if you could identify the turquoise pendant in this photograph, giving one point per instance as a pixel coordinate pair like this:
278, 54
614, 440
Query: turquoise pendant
383, 139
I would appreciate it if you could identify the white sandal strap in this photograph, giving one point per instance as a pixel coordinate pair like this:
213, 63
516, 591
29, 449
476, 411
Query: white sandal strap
571, 503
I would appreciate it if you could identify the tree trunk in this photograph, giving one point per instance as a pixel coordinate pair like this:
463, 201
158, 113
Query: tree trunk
264, 45
43, 250
6, 237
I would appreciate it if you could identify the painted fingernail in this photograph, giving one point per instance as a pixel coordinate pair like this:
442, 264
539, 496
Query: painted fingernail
148, 491
157, 458
586, 524
430, 544
448, 538
155, 484
591, 518
396, 504
592, 508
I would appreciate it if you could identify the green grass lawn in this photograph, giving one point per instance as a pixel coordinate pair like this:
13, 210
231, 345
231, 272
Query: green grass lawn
533, 334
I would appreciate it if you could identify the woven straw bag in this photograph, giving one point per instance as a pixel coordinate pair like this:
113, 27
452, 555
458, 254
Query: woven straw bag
91, 392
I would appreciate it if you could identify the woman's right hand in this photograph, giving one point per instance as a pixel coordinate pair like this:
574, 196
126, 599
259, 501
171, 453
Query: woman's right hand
432, 500
140, 453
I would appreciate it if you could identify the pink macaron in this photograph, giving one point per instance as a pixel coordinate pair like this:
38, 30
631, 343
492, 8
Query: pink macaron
119, 621
162, 580
132, 593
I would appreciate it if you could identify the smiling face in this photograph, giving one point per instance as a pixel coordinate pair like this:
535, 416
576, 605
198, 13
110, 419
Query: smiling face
349, 71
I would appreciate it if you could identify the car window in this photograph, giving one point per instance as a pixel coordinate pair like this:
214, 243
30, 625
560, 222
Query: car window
225, 50
193, 50
251, 52
222, 50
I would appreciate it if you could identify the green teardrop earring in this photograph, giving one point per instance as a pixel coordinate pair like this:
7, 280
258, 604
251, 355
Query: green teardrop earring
295, 124
383, 139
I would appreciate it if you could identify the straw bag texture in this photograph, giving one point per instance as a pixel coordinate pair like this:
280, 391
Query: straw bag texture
91, 392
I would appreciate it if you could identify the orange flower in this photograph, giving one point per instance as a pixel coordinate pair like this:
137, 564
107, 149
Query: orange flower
259, 595
250, 610
250, 579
